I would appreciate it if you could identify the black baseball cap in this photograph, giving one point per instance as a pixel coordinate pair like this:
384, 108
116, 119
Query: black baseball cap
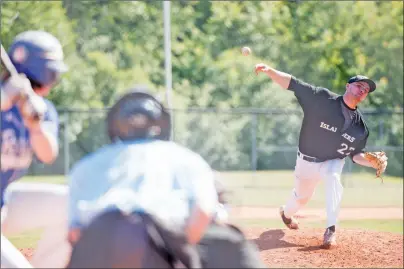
358, 78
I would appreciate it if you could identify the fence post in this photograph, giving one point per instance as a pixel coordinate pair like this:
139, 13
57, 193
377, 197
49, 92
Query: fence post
66, 145
381, 129
253, 141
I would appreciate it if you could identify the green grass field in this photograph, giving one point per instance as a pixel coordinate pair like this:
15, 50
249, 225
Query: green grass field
26, 240
392, 226
30, 239
273, 188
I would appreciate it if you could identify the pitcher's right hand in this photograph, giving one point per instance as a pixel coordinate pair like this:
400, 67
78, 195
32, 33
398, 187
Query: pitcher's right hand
261, 68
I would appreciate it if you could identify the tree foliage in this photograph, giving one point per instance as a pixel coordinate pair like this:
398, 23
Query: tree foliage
112, 45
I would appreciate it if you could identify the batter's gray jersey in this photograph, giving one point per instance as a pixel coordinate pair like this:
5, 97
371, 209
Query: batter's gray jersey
160, 178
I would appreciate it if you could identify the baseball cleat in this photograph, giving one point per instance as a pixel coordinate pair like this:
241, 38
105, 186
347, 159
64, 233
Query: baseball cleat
330, 239
291, 223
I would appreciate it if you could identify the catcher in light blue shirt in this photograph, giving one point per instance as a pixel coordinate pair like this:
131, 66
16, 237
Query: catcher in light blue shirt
146, 202
140, 178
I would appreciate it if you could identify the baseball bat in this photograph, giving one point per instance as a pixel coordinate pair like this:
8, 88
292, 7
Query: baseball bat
7, 62
10, 68
35, 109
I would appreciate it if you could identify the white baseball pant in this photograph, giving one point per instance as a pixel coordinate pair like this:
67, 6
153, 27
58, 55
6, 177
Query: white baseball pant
307, 176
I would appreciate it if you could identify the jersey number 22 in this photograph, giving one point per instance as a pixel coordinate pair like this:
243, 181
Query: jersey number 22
345, 150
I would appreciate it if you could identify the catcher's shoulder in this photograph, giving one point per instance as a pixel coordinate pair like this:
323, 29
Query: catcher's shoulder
88, 161
185, 155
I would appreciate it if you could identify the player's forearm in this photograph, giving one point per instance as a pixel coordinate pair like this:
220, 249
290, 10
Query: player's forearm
73, 235
197, 224
360, 159
5, 102
44, 145
281, 78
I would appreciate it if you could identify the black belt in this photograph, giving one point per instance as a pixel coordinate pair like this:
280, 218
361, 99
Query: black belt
308, 158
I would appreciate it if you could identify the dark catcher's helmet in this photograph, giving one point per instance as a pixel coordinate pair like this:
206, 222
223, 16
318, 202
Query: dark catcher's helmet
138, 115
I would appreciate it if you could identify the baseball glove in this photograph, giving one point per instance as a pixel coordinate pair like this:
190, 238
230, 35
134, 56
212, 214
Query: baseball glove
378, 160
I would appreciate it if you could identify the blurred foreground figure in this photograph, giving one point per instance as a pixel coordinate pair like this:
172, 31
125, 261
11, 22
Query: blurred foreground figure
146, 202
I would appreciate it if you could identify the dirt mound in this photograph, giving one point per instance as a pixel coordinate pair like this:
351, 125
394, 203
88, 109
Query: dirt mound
28, 252
302, 248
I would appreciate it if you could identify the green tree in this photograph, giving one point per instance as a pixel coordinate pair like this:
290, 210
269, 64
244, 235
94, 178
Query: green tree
76, 86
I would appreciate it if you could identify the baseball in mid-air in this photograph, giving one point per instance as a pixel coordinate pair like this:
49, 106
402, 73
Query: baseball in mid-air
246, 51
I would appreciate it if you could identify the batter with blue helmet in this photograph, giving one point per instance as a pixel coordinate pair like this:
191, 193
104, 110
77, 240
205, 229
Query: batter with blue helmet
29, 122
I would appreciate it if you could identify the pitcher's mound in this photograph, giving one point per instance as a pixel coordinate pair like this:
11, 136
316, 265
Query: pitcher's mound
27, 252
302, 248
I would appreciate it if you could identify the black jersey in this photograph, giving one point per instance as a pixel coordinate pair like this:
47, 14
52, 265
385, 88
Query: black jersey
328, 132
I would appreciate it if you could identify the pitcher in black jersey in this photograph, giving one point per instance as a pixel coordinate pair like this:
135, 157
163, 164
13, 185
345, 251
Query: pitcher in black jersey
332, 129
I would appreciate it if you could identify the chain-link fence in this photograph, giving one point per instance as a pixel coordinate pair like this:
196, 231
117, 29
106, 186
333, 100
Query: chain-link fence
231, 140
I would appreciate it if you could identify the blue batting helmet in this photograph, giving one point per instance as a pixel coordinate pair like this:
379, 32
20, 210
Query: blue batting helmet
38, 55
